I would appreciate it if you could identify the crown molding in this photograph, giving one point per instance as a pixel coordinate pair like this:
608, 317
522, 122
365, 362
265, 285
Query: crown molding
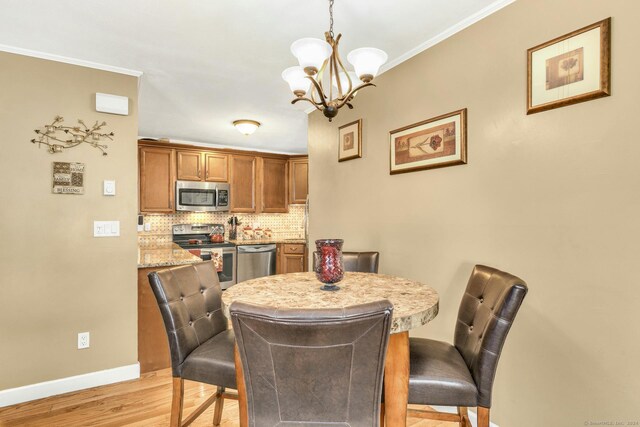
68, 60
467, 22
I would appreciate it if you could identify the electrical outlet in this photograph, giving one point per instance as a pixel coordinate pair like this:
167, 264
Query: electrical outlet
83, 340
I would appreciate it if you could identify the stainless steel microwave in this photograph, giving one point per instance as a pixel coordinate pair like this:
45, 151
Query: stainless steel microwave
195, 196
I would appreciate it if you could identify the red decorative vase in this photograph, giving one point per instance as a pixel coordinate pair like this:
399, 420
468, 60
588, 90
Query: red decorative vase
328, 261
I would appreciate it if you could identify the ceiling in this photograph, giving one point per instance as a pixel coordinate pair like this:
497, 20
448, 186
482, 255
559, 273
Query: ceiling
207, 63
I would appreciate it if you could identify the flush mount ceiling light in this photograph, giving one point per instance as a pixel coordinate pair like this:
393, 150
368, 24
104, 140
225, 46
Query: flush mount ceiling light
317, 58
246, 127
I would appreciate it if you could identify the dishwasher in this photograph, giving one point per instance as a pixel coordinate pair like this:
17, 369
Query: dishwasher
255, 261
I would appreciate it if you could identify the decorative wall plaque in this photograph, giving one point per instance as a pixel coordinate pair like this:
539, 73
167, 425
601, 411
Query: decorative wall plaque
68, 178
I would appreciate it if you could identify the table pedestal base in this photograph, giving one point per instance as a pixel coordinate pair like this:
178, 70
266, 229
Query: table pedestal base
396, 380
242, 390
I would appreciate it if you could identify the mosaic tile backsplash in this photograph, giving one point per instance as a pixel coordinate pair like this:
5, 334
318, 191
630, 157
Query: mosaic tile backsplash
289, 224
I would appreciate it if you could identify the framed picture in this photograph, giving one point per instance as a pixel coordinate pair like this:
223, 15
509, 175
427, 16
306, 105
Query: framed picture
434, 143
350, 141
570, 69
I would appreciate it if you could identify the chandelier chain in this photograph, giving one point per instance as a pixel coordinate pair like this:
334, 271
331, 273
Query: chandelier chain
331, 18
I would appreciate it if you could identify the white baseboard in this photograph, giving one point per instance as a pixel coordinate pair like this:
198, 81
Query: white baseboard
473, 417
26, 393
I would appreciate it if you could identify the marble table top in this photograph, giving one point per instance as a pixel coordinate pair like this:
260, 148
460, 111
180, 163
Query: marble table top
414, 303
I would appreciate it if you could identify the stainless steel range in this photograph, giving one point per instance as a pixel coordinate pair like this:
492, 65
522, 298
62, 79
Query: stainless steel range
197, 239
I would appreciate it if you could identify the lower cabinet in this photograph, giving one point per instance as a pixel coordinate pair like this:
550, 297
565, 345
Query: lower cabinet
153, 345
291, 258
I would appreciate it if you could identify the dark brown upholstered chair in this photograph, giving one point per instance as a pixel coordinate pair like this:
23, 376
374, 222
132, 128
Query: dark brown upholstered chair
200, 342
320, 368
462, 374
362, 262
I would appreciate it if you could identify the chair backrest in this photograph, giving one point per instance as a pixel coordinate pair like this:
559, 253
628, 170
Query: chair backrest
319, 367
190, 301
488, 308
362, 262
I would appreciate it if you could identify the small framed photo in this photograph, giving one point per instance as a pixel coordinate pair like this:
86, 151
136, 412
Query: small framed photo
350, 141
570, 69
434, 143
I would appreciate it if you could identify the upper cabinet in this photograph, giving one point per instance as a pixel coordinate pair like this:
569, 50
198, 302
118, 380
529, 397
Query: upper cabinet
157, 179
259, 183
298, 180
243, 183
216, 166
189, 165
274, 180
202, 166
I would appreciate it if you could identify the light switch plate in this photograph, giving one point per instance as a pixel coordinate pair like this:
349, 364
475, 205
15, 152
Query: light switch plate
109, 188
106, 228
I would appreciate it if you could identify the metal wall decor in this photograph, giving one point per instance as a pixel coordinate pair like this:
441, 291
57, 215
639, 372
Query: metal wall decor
58, 137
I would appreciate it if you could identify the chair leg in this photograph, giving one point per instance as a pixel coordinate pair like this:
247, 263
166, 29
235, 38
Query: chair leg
217, 412
176, 402
464, 416
382, 415
483, 417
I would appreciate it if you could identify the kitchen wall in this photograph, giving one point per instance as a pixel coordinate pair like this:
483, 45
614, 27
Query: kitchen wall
552, 197
288, 224
58, 280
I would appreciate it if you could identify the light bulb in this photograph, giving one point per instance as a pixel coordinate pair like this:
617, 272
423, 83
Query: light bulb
367, 62
311, 54
298, 82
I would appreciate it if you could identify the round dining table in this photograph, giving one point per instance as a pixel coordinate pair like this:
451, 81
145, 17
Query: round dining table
414, 304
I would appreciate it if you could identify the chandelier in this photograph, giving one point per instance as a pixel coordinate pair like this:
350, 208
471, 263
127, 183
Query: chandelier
319, 58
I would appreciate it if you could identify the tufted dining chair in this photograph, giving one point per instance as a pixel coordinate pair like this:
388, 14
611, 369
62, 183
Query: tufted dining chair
320, 368
361, 262
462, 374
200, 343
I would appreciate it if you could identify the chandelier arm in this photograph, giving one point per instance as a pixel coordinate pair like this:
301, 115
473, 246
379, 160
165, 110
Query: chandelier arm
319, 89
315, 104
352, 94
344, 69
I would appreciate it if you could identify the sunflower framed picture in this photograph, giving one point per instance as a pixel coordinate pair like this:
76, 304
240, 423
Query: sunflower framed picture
433, 143
570, 69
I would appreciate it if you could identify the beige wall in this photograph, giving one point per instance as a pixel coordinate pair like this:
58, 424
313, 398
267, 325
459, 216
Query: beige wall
552, 197
58, 280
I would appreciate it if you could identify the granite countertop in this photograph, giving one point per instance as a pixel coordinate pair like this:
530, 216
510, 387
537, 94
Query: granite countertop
164, 255
269, 240
414, 303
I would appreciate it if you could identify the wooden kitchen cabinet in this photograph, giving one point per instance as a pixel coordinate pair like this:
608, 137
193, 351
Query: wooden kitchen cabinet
243, 180
259, 183
202, 166
189, 165
274, 185
157, 179
216, 166
298, 180
291, 258
153, 345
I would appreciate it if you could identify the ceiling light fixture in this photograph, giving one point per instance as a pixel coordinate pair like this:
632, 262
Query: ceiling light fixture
246, 127
315, 56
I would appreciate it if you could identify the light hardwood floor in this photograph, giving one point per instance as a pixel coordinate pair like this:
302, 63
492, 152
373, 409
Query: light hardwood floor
143, 402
